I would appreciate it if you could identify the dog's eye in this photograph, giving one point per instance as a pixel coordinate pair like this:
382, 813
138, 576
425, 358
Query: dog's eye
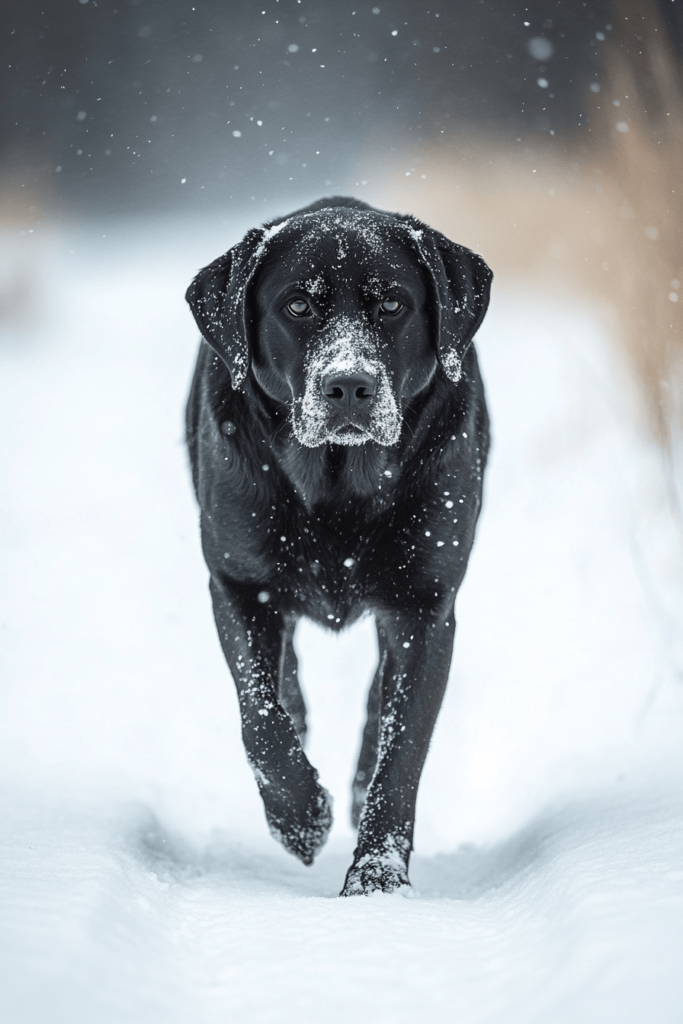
390, 306
298, 307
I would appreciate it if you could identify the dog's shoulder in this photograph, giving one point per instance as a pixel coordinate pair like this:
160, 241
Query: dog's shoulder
447, 410
227, 436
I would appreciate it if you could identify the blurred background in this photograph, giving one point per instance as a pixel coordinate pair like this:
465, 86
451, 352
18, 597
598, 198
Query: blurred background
140, 139
546, 133
149, 106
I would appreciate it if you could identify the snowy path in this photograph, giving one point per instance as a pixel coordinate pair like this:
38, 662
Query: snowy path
113, 921
137, 880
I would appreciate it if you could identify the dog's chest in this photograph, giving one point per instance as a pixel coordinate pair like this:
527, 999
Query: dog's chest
319, 565
333, 562
332, 567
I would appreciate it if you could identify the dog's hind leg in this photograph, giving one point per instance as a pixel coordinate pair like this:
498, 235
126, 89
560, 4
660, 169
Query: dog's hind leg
368, 751
290, 694
252, 634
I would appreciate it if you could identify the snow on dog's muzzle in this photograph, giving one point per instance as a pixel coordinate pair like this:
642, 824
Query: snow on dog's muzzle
347, 397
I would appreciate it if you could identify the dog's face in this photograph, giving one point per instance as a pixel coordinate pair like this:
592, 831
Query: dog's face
343, 314
341, 333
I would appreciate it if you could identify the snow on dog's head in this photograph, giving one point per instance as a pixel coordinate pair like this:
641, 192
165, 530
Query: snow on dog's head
343, 315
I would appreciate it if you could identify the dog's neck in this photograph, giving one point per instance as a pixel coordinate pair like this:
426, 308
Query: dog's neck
337, 475
331, 474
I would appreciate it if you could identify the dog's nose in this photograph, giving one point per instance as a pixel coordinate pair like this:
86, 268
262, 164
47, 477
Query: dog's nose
350, 392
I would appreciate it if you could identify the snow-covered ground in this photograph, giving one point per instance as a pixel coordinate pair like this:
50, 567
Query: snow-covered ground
138, 882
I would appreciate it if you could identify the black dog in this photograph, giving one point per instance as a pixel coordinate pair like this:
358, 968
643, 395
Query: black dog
338, 434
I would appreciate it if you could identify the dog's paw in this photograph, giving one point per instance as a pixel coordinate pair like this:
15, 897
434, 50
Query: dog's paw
304, 834
381, 871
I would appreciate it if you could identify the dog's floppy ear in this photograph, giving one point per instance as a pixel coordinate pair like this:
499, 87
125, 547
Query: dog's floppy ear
217, 298
461, 283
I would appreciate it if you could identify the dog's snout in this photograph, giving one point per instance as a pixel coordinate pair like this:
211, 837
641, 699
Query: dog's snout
350, 392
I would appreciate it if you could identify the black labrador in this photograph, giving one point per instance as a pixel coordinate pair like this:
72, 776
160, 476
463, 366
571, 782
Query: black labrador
338, 433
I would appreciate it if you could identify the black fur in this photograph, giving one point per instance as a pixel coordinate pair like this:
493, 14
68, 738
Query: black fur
333, 529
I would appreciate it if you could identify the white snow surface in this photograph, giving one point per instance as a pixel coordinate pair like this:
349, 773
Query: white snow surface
138, 881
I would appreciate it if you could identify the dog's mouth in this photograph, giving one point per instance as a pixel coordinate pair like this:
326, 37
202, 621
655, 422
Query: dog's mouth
350, 434
381, 423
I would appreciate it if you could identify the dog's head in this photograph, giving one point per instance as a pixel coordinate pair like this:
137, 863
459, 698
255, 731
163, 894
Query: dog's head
342, 313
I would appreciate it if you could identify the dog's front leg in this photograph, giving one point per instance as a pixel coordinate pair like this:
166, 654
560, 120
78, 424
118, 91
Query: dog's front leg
252, 634
416, 664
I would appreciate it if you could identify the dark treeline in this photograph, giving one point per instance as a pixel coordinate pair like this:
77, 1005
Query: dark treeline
241, 99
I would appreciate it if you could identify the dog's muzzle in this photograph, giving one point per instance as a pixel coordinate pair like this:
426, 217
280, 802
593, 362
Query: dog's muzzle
347, 398
351, 398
